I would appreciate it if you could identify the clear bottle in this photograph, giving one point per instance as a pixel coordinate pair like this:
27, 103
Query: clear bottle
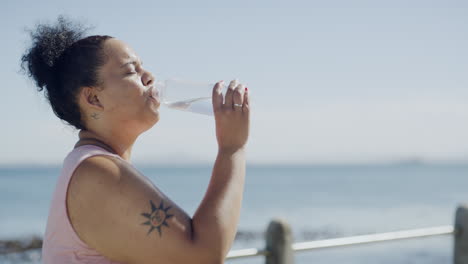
185, 95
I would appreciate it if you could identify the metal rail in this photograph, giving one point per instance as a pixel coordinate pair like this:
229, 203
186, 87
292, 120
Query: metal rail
320, 244
348, 241
244, 253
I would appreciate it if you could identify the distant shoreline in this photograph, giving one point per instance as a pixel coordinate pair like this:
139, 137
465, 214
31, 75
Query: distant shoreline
27, 166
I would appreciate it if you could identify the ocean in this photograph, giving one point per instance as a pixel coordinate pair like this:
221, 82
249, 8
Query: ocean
318, 201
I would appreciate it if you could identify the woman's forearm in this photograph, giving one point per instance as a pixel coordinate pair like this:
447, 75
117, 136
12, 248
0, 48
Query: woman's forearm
215, 221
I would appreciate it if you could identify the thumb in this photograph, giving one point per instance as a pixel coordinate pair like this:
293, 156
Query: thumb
217, 96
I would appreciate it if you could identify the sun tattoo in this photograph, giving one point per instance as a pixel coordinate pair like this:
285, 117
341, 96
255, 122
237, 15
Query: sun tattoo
157, 218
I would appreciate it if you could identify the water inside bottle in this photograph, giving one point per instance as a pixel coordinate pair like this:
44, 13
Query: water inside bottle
201, 105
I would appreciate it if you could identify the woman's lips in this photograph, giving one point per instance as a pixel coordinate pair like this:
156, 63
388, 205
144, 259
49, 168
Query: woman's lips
154, 94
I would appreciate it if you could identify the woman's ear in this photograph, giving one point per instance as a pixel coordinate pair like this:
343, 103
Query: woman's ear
89, 97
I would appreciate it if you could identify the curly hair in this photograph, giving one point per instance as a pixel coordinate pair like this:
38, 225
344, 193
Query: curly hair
61, 61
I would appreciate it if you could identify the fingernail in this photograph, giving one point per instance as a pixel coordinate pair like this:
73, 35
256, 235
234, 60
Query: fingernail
246, 89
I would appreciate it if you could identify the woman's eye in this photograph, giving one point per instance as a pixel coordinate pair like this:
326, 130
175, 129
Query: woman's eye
131, 73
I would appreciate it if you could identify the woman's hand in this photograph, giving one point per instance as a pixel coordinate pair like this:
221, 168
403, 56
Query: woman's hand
231, 115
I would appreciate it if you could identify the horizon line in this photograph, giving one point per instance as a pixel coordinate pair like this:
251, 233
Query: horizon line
409, 162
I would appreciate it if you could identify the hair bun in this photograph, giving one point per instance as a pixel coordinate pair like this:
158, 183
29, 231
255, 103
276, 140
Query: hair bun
48, 43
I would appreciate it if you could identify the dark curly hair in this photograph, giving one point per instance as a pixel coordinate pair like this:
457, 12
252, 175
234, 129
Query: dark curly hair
61, 61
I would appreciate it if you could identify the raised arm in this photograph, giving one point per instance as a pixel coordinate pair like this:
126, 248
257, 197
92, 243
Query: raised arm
219, 211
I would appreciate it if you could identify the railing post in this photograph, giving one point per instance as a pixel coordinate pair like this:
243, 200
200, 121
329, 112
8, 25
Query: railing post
279, 243
460, 255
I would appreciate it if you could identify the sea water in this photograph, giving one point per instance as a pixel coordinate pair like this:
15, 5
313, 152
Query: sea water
318, 202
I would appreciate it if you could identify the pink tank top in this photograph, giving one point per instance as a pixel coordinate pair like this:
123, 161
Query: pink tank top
61, 243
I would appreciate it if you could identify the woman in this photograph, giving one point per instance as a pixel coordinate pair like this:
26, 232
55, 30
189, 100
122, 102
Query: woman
103, 210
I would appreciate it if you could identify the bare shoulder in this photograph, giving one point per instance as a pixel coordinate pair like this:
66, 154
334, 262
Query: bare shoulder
120, 213
95, 183
103, 173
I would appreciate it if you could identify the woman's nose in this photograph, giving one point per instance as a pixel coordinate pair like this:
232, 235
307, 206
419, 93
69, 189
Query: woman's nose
147, 78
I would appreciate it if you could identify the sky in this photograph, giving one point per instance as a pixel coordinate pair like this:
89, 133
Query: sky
330, 81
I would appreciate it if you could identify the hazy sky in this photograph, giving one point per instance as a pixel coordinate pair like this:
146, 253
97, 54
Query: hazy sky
331, 81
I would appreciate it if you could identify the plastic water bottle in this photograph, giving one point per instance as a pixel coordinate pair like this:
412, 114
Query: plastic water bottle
187, 96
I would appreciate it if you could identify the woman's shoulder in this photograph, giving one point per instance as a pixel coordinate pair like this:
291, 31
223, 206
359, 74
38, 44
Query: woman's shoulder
101, 166
97, 181
102, 171
106, 176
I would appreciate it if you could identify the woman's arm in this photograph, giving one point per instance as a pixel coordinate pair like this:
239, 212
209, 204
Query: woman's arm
218, 214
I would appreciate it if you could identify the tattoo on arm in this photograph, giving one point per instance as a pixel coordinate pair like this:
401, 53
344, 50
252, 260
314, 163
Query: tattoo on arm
157, 217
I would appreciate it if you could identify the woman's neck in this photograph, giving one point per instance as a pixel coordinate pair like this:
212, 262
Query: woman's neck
115, 145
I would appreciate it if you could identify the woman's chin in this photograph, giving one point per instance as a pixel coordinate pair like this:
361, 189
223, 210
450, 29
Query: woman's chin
153, 120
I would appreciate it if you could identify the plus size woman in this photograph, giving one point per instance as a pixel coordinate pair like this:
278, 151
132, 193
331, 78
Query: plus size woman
103, 209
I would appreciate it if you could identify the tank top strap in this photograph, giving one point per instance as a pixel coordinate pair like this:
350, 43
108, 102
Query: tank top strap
77, 155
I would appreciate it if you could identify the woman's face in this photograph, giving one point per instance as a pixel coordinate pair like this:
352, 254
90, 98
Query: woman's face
127, 89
